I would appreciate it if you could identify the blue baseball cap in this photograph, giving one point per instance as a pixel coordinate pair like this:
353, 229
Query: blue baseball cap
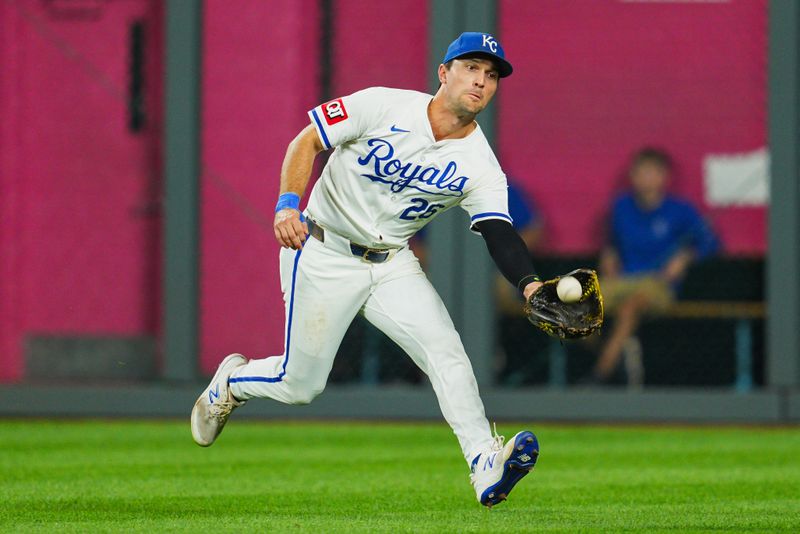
479, 44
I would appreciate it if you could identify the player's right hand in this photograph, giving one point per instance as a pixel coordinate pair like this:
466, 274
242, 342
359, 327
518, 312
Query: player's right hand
290, 231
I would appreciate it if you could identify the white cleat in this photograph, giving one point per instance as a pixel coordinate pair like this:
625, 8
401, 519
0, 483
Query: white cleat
497, 470
215, 404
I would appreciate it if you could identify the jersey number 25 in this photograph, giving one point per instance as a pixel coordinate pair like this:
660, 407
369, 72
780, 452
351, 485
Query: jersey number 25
421, 209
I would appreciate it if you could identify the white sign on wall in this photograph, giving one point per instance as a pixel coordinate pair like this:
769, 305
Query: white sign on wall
737, 179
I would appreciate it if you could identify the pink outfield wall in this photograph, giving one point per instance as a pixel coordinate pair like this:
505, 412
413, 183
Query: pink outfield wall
385, 46
594, 81
260, 77
80, 238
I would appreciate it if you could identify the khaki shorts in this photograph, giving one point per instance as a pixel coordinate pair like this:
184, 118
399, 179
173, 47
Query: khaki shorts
616, 290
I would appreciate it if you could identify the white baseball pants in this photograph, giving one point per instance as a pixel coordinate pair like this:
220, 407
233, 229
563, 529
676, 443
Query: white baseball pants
324, 287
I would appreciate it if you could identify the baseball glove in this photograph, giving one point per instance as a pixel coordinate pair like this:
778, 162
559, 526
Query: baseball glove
567, 320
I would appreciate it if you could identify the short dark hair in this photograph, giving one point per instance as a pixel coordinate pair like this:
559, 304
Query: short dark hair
656, 156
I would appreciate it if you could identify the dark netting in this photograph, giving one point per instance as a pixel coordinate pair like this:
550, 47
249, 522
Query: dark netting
366, 356
712, 335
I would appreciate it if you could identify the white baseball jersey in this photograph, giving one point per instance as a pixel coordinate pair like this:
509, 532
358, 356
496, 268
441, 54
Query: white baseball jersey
388, 176
386, 179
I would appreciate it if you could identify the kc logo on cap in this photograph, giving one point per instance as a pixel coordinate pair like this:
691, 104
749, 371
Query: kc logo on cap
477, 44
488, 41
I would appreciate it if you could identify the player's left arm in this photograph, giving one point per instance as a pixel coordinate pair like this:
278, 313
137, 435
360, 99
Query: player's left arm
510, 254
487, 207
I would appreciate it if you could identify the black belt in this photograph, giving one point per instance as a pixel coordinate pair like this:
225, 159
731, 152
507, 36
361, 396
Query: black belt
365, 253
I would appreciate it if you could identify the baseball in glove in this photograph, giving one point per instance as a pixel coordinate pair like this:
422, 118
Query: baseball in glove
567, 320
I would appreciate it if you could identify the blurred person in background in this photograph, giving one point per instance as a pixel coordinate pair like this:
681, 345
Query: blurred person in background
653, 238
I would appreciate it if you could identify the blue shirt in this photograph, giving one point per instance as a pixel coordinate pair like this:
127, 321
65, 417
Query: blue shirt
521, 211
646, 240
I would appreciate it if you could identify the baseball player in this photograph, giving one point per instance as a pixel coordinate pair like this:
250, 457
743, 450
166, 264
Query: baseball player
400, 158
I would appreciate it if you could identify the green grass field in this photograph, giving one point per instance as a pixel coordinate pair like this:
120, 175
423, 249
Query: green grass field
121, 476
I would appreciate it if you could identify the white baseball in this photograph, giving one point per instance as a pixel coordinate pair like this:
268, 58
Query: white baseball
569, 289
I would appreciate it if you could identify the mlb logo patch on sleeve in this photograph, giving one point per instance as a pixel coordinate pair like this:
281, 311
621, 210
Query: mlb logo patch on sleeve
334, 111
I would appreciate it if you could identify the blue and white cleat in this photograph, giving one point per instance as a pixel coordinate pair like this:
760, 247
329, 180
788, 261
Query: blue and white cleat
215, 404
496, 471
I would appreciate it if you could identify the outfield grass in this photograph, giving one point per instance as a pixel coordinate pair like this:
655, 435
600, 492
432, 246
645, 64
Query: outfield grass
120, 476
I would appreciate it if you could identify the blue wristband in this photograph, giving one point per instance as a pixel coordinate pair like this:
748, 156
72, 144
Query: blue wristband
288, 200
